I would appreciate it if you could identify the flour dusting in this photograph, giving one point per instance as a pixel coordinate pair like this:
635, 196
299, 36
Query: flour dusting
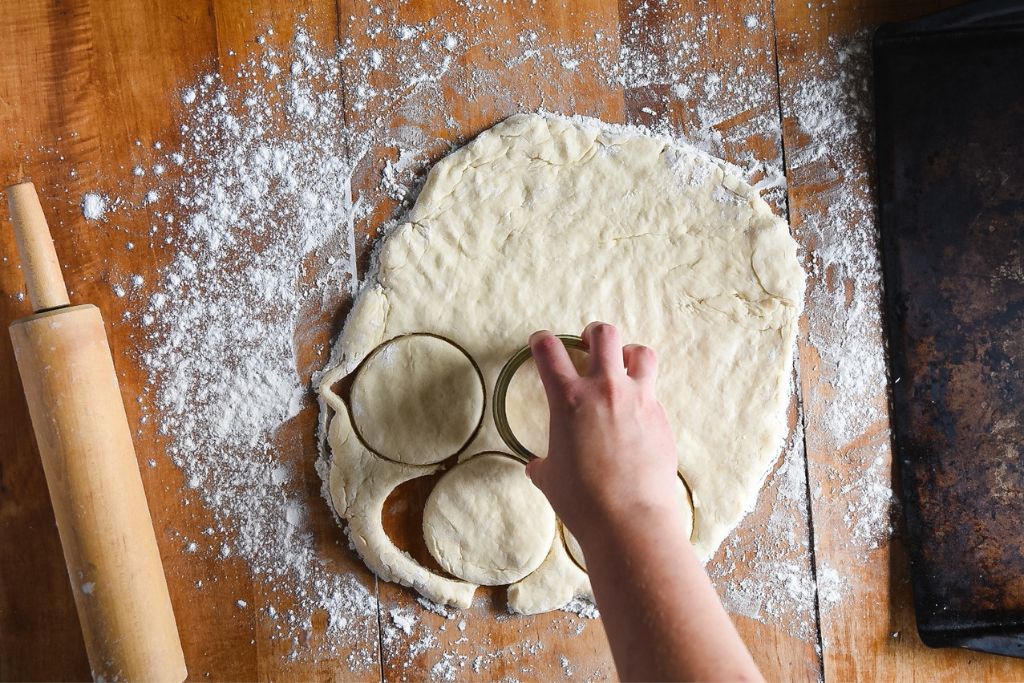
94, 205
260, 215
833, 112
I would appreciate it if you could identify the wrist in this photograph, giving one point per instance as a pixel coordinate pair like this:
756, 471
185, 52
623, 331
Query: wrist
610, 522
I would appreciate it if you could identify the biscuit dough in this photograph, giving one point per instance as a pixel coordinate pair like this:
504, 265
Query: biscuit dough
486, 523
358, 492
417, 400
549, 222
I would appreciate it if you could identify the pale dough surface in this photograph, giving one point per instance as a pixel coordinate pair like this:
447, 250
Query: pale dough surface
486, 523
548, 222
417, 400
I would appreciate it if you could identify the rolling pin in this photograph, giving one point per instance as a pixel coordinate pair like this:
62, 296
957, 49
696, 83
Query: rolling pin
91, 470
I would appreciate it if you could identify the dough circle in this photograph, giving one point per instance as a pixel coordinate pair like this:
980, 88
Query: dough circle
685, 509
417, 399
485, 522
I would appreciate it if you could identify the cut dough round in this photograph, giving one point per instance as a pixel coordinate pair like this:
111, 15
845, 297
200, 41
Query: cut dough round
485, 522
685, 509
526, 404
417, 399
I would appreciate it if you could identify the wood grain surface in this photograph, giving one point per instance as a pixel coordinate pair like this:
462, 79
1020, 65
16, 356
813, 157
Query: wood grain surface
80, 82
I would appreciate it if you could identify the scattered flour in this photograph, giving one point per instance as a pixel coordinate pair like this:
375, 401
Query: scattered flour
833, 113
831, 586
94, 206
582, 608
257, 211
403, 620
265, 202
765, 572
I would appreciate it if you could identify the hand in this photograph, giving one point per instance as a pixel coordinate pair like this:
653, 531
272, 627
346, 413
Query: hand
610, 475
611, 454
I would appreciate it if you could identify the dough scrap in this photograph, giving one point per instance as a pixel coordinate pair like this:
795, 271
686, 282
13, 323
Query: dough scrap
549, 222
556, 583
417, 399
486, 523
360, 482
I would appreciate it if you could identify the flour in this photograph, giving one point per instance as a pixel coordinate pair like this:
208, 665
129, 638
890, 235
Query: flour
94, 205
766, 573
582, 608
844, 310
831, 586
262, 205
255, 213
403, 621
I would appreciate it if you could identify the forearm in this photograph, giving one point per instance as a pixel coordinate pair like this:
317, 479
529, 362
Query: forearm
610, 474
660, 611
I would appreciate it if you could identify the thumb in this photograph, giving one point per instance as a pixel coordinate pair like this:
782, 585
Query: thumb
535, 471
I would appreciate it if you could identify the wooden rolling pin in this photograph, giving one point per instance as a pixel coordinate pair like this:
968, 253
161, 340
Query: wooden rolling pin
91, 470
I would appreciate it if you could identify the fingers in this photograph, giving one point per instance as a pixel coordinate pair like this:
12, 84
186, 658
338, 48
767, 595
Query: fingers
553, 363
605, 348
641, 363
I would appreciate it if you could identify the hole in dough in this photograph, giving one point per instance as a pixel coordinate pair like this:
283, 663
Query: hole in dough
685, 505
485, 522
402, 519
526, 404
417, 399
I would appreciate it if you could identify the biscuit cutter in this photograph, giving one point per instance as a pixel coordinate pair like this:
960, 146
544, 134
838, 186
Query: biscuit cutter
519, 451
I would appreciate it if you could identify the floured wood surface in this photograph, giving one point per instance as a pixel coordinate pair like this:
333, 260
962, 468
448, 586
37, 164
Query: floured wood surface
215, 176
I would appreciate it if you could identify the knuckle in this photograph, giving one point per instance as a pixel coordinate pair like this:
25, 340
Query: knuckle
607, 389
573, 396
546, 344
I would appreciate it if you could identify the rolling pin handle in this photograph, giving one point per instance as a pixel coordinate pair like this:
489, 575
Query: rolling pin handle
43, 277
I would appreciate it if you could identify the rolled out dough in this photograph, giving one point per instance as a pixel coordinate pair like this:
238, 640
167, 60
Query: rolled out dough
549, 222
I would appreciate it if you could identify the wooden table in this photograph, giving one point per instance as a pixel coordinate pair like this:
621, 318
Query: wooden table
80, 82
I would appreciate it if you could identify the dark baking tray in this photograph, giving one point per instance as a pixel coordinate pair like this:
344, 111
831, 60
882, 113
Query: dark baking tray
949, 104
